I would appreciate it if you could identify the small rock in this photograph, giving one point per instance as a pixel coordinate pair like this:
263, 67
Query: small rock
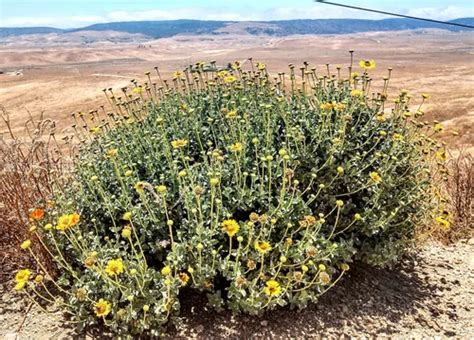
264, 323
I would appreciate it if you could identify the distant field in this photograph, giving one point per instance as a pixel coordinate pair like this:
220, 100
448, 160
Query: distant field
45, 74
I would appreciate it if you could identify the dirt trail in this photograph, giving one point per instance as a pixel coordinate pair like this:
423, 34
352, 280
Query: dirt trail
431, 293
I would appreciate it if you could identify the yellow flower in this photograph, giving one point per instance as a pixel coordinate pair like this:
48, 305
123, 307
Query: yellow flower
231, 227
184, 278
367, 64
39, 279
443, 223
262, 246
20, 285
112, 152
340, 170
102, 308
380, 118
75, 219
161, 189
229, 79
397, 137
357, 217
272, 288
426, 96
339, 106
114, 267
67, 221
126, 232
166, 270
261, 66
139, 187
95, 130
375, 177
310, 220
357, 93
177, 74
231, 114
222, 74
339, 203
438, 127
138, 90
326, 106
236, 147
354, 75
441, 155
127, 216
26, 244
179, 143
22, 275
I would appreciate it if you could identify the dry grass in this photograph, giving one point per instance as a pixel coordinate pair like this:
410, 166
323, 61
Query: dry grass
460, 190
28, 168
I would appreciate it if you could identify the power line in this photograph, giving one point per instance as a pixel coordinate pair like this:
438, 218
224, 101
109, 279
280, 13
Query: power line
394, 14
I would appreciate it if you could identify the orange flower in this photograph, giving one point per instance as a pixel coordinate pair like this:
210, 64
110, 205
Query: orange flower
75, 218
37, 214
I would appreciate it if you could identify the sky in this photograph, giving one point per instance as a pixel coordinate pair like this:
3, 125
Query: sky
79, 13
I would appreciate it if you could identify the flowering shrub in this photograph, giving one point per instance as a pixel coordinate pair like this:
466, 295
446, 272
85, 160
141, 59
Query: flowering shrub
254, 189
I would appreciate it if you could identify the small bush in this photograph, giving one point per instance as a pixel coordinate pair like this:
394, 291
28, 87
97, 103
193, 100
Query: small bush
257, 190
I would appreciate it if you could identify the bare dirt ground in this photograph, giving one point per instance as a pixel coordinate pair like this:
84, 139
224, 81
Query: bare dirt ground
430, 294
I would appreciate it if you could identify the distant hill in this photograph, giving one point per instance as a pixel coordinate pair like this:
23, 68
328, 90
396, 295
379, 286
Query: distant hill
8, 31
344, 26
168, 28
159, 29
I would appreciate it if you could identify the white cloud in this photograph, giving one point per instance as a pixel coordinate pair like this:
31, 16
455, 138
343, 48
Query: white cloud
281, 13
72, 21
442, 13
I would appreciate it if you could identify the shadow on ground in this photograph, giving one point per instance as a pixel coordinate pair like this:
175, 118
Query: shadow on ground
367, 295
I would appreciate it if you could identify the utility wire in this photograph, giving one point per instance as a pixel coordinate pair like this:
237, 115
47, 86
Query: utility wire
394, 14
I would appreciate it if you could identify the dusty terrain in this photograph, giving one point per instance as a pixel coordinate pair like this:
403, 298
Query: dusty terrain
429, 294
48, 74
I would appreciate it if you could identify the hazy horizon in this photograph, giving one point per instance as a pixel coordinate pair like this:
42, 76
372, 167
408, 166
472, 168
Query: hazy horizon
75, 14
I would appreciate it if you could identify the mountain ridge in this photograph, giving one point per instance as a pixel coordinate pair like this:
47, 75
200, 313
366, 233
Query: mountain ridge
168, 28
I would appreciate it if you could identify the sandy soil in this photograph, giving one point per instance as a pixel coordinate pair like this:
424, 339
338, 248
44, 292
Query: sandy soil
430, 294
59, 79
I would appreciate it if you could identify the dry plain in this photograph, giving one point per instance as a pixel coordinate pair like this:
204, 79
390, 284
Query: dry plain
59, 75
